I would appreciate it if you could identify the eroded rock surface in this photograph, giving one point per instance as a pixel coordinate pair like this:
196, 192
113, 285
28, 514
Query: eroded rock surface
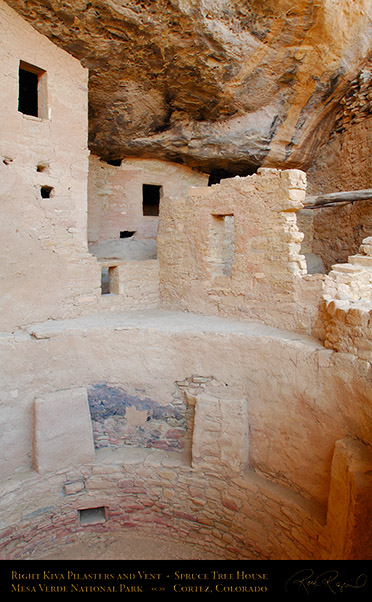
218, 84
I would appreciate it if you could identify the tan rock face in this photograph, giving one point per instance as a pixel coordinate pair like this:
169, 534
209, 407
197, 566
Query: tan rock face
222, 85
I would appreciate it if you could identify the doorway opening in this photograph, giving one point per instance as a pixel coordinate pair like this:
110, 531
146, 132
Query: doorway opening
151, 199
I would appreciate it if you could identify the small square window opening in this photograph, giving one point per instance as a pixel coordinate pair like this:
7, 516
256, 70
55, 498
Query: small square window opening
46, 192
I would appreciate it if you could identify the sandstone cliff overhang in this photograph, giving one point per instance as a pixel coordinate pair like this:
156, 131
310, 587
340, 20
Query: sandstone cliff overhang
214, 84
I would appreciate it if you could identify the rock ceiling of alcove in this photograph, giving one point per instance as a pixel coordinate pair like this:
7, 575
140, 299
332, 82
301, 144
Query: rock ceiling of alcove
218, 84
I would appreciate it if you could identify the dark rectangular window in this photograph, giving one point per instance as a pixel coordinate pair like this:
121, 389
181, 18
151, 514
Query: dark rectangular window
114, 162
151, 199
31, 97
127, 233
27, 99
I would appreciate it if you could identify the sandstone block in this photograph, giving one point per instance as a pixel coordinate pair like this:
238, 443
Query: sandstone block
73, 488
220, 432
350, 508
364, 260
62, 430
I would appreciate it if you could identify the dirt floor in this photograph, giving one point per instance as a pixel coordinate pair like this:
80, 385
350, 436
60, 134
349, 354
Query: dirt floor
129, 547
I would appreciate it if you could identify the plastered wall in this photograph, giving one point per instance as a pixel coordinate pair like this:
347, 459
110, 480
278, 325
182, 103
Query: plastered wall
300, 397
115, 195
254, 477
46, 268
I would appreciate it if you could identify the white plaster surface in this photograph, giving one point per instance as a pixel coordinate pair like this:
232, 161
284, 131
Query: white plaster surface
62, 430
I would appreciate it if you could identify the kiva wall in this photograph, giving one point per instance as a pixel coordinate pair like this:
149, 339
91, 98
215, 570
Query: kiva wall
275, 426
300, 398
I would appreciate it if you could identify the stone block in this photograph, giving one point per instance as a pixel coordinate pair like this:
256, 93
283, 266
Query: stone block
220, 433
62, 430
350, 507
364, 260
73, 488
366, 248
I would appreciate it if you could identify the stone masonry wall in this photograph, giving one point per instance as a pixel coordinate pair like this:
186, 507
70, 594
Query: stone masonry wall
343, 164
233, 249
115, 195
339, 231
240, 516
160, 496
120, 419
46, 268
347, 305
133, 285
282, 387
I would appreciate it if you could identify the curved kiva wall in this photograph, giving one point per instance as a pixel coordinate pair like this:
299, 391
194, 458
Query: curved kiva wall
266, 453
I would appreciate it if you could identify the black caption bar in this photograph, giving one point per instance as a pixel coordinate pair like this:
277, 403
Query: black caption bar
305, 580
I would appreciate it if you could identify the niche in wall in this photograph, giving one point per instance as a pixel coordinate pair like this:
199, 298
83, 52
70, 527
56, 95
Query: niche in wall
109, 280
222, 244
46, 192
42, 167
113, 162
